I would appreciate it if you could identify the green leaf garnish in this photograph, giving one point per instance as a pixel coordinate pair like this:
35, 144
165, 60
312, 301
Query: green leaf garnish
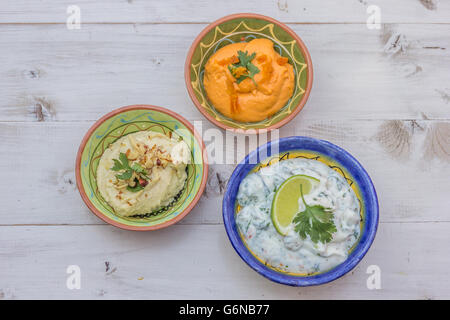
315, 221
244, 58
122, 163
117, 165
125, 175
137, 187
127, 172
245, 61
137, 168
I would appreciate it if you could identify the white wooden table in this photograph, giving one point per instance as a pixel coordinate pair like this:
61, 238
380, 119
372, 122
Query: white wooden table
384, 95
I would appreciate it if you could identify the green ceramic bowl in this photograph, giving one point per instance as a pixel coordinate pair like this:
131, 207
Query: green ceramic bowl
127, 120
246, 27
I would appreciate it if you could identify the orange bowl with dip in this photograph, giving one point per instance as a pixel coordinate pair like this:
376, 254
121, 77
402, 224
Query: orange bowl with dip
248, 72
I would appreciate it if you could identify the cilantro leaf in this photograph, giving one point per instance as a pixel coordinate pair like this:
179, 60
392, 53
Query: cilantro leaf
137, 168
242, 78
123, 158
136, 188
245, 61
117, 165
125, 175
315, 221
244, 58
122, 163
127, 172
252, 69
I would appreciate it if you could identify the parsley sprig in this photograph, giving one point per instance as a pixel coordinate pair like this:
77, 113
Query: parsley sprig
245, 61
315, 221
123, 165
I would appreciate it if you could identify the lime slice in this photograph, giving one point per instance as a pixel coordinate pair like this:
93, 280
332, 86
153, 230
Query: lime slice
285, 201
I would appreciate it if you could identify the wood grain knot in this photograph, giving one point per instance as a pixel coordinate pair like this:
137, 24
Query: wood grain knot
217, 180
429, 4
395, 137
43, 109
396, 43
437, 141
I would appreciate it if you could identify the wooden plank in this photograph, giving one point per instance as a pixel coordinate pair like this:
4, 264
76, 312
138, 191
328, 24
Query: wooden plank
170, 11
191, 262
381, 94
409, 162
51, 74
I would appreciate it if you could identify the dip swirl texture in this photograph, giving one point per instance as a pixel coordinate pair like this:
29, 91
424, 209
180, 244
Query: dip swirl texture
164, 160
249, 101
291, 253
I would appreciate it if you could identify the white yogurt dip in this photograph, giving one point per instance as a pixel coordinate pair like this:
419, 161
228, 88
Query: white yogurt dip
291, 253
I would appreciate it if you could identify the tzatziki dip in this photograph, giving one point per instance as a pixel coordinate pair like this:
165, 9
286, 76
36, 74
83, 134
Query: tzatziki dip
331, 205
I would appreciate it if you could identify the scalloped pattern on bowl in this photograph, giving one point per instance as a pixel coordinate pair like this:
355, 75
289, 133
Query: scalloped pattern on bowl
320, 150
245, 27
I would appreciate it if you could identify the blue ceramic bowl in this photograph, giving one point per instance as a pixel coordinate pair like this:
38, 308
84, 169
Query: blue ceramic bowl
344, 163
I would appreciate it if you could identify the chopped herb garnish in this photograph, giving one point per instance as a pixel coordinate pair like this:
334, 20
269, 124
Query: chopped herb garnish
136, 188
244, 68
315, 221
136, 167
125, 175
140, 174
121, 164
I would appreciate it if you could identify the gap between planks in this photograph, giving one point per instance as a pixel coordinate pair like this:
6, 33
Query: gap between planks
209, 22
48, 122
183, 224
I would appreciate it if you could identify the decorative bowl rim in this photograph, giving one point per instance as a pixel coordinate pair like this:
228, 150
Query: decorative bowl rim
301, 44
113, 113
228, 212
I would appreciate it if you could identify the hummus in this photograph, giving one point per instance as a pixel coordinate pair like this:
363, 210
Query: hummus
253, 98
142, 172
